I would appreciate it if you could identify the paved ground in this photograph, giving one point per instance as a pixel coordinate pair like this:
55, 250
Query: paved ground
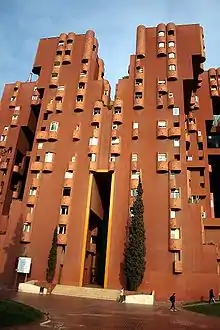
75, 313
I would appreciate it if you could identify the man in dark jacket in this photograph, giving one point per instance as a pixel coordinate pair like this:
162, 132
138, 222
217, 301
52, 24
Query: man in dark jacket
173, 300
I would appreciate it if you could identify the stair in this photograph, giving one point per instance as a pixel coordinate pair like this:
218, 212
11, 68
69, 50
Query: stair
86, 292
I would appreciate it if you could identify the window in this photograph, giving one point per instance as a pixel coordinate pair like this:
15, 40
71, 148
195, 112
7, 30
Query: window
5, 128
3, 137
30, 209
61, 43
40, 145
171, 55
34, 97
79, 98
172, 214
54, 126
177, 256
134, 157
93, 141
176, 111
59, 52
49, 157
196, 98
57, 63
69, 41
54, 74
61, 230
115, 140
32, 191
61, 88
81, 85
161, 45
175, 233
161, 157
138, 95
139, 82
131, 212
114, 126
172, 67
170, 95
161, 82
68, 175
162, 124
135, 175
171, 44
17, 108
46, 115
139, 69
161, 34
96, 125
199, 133
67, 52
204, 215
176, 124
96, 111
66, 191
106, 92
112, 158
214, 88
134, 192
37, 158
93, 157
73, 159
83, 73
117, 110
176, 142
175, 193
27, 227
64, 210
189, 158
13, 98
135, 125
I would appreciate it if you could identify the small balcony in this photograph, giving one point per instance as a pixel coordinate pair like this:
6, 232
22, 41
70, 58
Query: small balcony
172, 182
170, 101
175, 245
162, 166
53, 82
173, 224
138, 103
62, 239
48, 167
52, 136
36, 182
115, 149
71, 166
93, 149
60, 93
92, 166
12, 103
76, 134
162, 87
65, 200
177, 267
25, 237
96, 118
68, 182
59, 107
31, 199
175, 203
29, 217
36, 166
67, 58
117, 118
175, 166
162, 132
14, 121
63, 219
98, 105
42, 136
159, 102
174, 132
135, 133
50, 107
134, 166
79, 107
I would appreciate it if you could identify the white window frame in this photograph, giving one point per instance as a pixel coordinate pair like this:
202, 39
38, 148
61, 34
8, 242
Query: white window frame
172, 67
114, 126
134, 157
161, 157
68, 175
61, 43
189, 158
54, 126
3, 137
112, 158
64, 207
93, 141
162, 123
172, 214
40, 146
161, 34
96, 112
93, 157
176, 142
175, 233
171, 55
161, 44
135, 125
32, 191
171, 44
49, 157
115, 140
176, 111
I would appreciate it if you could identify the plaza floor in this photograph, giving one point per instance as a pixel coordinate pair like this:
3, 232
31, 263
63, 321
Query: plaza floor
69, 313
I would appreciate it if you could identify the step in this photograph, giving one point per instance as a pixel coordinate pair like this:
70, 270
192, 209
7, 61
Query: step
86, 292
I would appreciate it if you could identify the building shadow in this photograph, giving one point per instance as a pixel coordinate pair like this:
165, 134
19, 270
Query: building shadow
12, 250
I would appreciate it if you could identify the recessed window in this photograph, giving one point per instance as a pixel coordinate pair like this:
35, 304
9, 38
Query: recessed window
61, 88
117, 110
46, 115
81, 85
67, 52
134, 192
171, 33
114, 126
162, 124
175, 233
85, 60
171, 55
79, 98
61, 43
170, 95
5, 128
27, 227
115, 140
161, 34
49, 157
64, 210
96, 125
176, 111
138, 95
54, 126
54, 74
37, 158
13, 98
66, 191
93, 141
162, 157
177, 157
3, 137
134, 157
161, 45
69, 41
135, 125
139, 69
172, 214
135, 175
112, 158
57, 63
33, 191
171, 44
175, 193
14, 117
139, 82
172, 67
106, 93
61, 230
40, 145
176, 142
83, 73
68, 175
59, 52
93, 157
96, 111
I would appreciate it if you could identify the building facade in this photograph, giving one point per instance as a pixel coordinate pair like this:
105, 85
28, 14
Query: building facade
71, 159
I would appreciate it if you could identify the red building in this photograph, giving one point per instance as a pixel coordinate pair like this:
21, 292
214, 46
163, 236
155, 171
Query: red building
72, 157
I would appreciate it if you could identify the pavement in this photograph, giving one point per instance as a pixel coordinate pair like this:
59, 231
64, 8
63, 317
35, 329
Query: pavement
67, 313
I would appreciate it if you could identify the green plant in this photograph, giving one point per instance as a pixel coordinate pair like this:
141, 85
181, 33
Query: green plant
125, 77
135, 250
52, 259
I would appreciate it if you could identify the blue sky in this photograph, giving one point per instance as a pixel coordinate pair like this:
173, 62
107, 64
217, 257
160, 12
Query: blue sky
24, 22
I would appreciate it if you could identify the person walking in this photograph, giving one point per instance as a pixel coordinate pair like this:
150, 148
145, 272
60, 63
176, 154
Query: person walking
173, 300
211, 296
122, 296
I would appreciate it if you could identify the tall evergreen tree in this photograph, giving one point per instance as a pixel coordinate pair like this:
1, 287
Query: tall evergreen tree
52, 259
135, 250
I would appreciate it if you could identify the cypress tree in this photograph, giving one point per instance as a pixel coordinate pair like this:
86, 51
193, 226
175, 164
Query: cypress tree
135, 250
52, 259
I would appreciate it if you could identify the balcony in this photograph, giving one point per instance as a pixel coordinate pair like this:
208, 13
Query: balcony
54, 82
59, 107
175, 203
67, 58
63, 219
115, 149
12, 103
35, 182
60, 93
135, 134
174, 132
42, 136
50, 107
162, 87
173, 224
172, 182
71, 166
175, 245
65, 200
96, 118
25, 237
162, 166
29, 217
62, 239
76, 134
192, 127
117, 118
14, 121
159, 102
52, 136
92, 166
31, 199
79, 107
93, 149
162, 132
48, 167
138, 103
175, 166
177, 267
68, 182
98, 105
36, 166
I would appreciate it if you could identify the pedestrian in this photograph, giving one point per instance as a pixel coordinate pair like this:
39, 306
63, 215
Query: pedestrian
173, 300
122, 296
211, 296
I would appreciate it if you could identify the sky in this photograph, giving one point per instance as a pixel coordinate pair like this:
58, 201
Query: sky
24, 22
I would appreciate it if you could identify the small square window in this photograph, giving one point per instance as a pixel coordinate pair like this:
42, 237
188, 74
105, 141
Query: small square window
161, 34
171, 44
68, 175
176, 111
40, 145
66, 191
161, 45
176, 142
